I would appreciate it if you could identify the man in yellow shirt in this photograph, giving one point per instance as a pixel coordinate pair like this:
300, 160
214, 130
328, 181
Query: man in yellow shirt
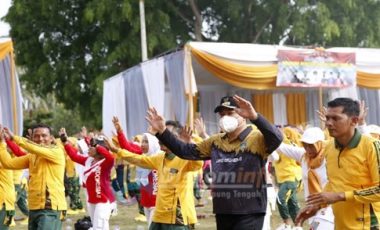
46, 163
352, 162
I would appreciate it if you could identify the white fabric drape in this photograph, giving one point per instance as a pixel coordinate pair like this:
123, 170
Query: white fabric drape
168, 110
1, 112
244, 93
350, 92
208, 101
114, 103
174, 66
279, 109
154, 82
371, 98
312, 106
188, 74
8, 103
136, 102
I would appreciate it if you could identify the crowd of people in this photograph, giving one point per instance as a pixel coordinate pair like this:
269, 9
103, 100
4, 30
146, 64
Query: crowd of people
250, 167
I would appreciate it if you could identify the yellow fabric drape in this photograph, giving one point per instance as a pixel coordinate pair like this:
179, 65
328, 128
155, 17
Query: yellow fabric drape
263, 103
243, 76
296, 108
5, 49
368, 80
260, 77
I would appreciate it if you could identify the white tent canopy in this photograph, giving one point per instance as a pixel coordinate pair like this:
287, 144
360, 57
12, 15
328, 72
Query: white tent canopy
168, 82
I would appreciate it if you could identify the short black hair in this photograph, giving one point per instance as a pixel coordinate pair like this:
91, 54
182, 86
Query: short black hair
40, 125
350, 106
98, 141
177, 127
175, 124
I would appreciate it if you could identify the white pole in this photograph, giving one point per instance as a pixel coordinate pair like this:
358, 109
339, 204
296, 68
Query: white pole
144, 51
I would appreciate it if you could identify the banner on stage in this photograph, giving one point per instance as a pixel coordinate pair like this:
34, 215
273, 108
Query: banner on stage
316, 68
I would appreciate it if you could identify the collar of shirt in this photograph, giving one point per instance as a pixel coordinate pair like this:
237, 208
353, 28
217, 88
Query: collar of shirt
169, 156
354, 142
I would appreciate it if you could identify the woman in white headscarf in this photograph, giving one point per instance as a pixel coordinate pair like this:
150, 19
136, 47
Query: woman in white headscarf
147, 178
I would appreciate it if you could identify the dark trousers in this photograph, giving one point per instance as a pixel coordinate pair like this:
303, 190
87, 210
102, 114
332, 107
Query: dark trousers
73, 190
287, 200
5, 218
159, 226
120, 177
240, 222
44, 219
21, 199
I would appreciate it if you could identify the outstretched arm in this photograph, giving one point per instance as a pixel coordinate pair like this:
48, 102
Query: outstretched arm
16, 150
144, 161
272, 135
123, 142
183, 150
71, 150
5, 159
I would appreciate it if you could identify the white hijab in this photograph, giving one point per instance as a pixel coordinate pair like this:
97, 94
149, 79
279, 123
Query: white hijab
154, 148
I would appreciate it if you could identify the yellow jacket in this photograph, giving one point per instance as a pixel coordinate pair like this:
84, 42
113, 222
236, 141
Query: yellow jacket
7, 189
286, 168
355, 171
175, 183
17, 174
46, 172
70, 165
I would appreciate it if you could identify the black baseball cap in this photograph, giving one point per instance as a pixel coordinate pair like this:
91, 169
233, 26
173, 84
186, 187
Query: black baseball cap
98, 141
226, 102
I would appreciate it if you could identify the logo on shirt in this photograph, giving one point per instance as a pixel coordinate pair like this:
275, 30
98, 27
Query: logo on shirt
155, 182
98, 188
229, 160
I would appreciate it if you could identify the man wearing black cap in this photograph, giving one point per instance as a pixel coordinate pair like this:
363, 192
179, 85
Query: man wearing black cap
238, 157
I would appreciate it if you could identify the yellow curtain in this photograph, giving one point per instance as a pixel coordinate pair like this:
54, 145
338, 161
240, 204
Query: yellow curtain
5, 49
243, 76
260, 77
296, 108
263, 103
368, 80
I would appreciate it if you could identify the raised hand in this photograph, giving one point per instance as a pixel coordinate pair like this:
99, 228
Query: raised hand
185, 134
200, 127
245, 109
83, 132
8, 133
322, 114
155, 120
363, 113
110, 145
116, 124
62, 135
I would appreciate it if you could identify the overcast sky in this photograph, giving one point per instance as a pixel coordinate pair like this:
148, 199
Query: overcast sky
4, 27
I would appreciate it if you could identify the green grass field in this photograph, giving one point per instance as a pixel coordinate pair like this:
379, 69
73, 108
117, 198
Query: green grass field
125, 218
